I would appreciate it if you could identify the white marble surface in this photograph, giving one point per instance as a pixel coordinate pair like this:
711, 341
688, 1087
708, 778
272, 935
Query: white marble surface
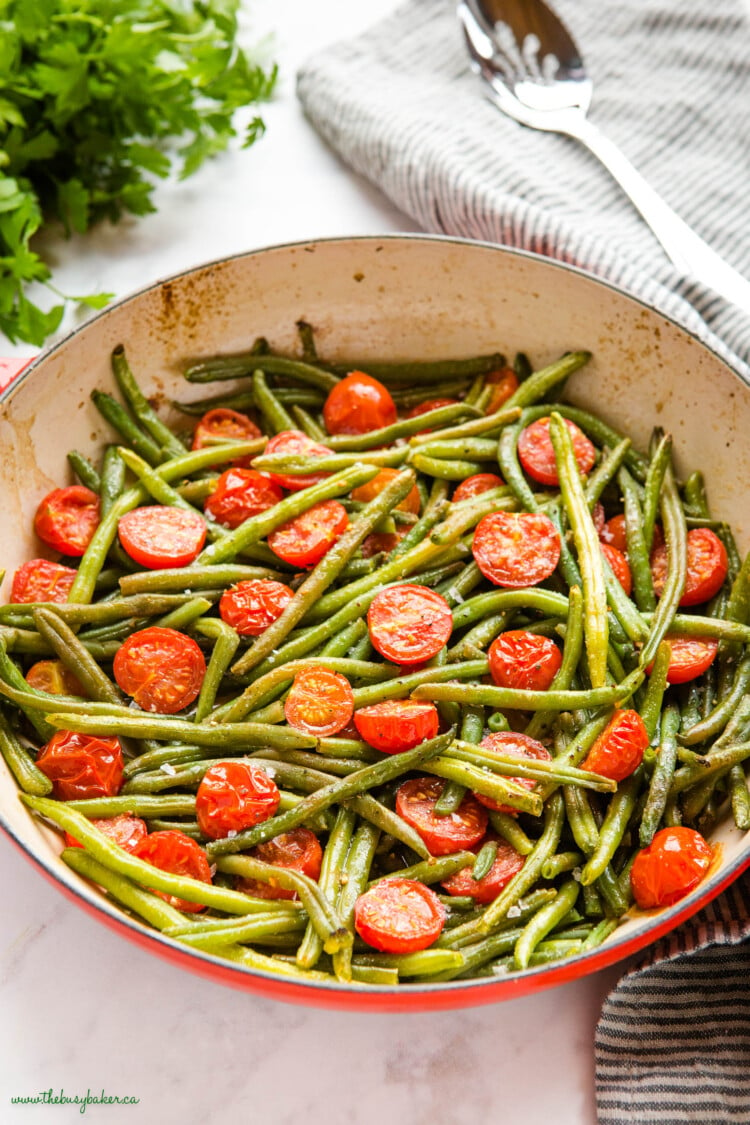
82, 1008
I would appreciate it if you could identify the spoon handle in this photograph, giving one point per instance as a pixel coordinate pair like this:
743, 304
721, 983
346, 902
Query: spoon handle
689, 253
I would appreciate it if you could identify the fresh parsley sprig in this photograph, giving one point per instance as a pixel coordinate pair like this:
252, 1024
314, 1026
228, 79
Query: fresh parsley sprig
97, 99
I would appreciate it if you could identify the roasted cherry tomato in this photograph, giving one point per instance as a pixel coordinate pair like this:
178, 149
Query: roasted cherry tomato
223, 425
304, 540
399, 916
504, 383
298, 850
319, 702
67, 518
516, 549
613, 533
618, 751
476, 485
178, 854
520, 746
366, 492
443, 835
690, 657
382, 542
409, 624
53, 677
239, 494
125, 830
251, 606
233, 796
293, 443
161, 669
160, 536
41, 581
397, 724
82, 765
620, 566
508, 863
537, 456
706, 566
357, 405
672, 865
520, 659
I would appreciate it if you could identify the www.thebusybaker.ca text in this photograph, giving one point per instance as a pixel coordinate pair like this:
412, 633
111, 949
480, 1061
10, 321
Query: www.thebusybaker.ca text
48, 1097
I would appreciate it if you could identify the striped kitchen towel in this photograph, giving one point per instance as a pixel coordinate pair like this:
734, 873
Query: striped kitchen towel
671, 88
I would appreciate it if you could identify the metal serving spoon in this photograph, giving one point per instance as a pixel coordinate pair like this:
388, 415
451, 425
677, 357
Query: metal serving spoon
533, 71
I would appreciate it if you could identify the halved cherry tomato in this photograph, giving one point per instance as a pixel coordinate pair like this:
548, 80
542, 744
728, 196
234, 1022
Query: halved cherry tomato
504, 383
304, 540
159, 536
82, 765
516, 549
239, 494
125, 830
599, 517
162, 669
520, 746
357, 405
620, 566
520, 659
673, 864
443, 835
706, 566
618, 751
178, 854
613, 533
251, 606
399, 916
233, 796
293, 443
508, 863
366, 492
67, 518
396, 725
476, 485
537, 456
409, 624
298, 850
319, 702
223, 425
690, 657
42, 581
53, 677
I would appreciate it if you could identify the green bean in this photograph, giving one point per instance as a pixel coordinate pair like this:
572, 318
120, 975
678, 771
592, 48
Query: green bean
226, 643
432, 870
299, 465
481, 606
450, 799
337, 791
426, 963
543, 922
595, 624
651, 707
454, 449
454, 469
274, 414
155, 484
305, 422
331, 870
326, 572
111, 410
638, 554
740, 797
507, 455
618, 814
356, 875
256, 927
154, 909
605, 472
166, 824
237, 366
661, 778
571, 658
20, 762
76, 657
404, 428
413, 372
541, 382
714, 763
715, 722
141, 407
480, 781
113, 479
10, 676
188, 579
523, 700
508, 828
139, 804
560, 863
485, 860
152, 726
476, 427
510, 765
84, 470
581, 820
675, 534
661, 459
258, 527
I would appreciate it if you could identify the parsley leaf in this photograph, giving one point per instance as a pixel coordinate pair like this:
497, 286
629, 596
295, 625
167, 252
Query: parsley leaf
98, 99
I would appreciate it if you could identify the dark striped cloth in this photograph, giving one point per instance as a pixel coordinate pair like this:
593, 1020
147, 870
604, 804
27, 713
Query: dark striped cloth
671, 88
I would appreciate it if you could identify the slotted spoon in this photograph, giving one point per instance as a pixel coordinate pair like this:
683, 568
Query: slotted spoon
533, 71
